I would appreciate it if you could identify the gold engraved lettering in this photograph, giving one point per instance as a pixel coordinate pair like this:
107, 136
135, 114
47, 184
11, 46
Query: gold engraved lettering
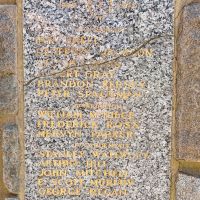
61, 154
68, 5
99, 75
112, 115
59, 191
102, 145
83, 40
112, 134
100, 173
40, 182
64, 83
53, 93
107, 193
66, 124
141, 53
58, 163
118, 84
99, 183
59, 114
67, 182
95, 164
111, 154
106, 94
100, 106
59, 134
119, 125
53, 173
40, 40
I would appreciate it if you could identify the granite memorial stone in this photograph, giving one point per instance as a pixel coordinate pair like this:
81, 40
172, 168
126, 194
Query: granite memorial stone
98, 92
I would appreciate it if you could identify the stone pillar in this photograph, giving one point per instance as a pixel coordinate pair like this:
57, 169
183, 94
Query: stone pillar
188, 85
188, 104
9, 100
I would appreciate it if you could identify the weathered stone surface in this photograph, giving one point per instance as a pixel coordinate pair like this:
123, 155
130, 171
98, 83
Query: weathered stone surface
8, 38
188, 187
8, 93
94, 32
188, 85
11, 160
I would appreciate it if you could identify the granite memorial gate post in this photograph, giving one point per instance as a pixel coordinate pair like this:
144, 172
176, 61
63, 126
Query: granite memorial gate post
98, 92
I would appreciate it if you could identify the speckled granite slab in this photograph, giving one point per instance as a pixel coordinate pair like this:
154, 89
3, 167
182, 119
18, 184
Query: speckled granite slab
98, 99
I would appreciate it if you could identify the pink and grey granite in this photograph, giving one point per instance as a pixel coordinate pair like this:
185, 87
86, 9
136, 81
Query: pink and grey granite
59, 33
188, 85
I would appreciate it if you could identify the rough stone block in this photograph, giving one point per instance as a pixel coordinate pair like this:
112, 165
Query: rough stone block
188, 187
11, 161
8, 94
8, 38
188, 85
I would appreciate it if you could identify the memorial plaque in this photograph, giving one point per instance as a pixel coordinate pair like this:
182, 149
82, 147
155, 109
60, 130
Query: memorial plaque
98, 90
